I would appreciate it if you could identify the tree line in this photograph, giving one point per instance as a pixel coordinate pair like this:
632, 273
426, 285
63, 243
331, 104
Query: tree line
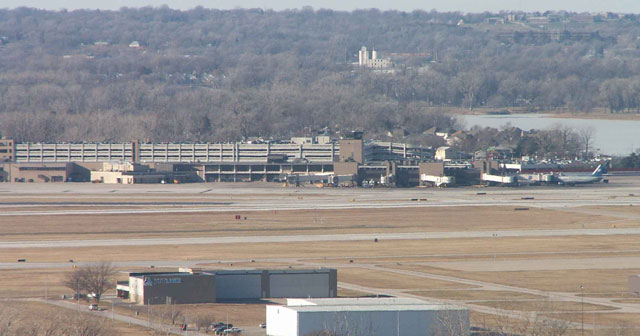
556, 142
228, 75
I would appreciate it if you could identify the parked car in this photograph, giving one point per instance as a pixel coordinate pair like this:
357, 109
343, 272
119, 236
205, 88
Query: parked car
232, 331
263, 325
93, 306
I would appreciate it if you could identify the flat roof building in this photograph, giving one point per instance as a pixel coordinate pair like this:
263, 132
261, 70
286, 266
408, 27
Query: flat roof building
171, 288
195, 286
7, 150
369, 316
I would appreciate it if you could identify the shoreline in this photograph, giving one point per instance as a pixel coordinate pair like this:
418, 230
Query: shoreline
596, 115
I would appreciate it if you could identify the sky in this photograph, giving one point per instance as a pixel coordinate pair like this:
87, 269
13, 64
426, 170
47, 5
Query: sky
620, 6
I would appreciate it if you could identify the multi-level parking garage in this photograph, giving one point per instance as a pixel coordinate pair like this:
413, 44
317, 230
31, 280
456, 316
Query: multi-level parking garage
76, 152
237, 152
213, 152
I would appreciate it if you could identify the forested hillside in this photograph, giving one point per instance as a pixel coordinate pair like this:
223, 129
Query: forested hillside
210, 75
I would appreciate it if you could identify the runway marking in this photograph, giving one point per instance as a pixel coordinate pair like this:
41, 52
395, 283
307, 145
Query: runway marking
292, 205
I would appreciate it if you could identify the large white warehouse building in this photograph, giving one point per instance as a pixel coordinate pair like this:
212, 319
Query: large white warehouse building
366, 317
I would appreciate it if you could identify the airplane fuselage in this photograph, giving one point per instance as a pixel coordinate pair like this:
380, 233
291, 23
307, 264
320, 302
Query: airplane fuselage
578, 179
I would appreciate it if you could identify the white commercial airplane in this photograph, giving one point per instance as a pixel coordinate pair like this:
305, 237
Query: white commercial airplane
583, 178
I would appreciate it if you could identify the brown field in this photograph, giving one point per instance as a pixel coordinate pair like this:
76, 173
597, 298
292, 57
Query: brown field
608, 324
288, 222
544, 306
607, 319
313, 250
371, 266
26, 315
390, 280
593, 280
32, 283
474, 294
622, 209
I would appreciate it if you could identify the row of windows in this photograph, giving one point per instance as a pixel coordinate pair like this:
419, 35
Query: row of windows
42, 168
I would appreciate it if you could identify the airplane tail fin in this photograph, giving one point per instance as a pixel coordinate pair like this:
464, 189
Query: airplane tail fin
602, 169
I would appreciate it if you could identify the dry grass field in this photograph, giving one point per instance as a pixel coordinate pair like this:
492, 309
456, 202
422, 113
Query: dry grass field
288, 222
27, 316
467, 271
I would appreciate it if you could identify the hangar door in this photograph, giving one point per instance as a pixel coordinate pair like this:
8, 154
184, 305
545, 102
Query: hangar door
238, 286
292, 285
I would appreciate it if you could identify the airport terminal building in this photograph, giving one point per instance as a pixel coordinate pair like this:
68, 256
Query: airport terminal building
350, 161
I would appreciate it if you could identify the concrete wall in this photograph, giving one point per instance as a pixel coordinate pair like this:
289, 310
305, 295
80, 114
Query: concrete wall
486, 166
351, 150
345, 168
136, 290
180, 288
39, 173
46, 172
283, 321
431, 168
7, 149
111, 177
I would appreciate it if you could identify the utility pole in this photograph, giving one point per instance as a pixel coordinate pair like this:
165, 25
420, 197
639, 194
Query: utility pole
582, 309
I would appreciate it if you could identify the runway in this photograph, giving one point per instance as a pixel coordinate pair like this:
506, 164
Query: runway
316, 238
70, 199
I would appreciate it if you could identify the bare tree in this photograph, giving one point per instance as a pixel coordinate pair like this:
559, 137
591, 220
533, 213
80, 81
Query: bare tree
451, 322
92, 279
342, 325
23, 322
206, 320
544, 320
586, 135
83, 325
170, 313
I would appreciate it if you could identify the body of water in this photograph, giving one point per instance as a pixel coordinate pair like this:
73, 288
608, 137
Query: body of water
612, 137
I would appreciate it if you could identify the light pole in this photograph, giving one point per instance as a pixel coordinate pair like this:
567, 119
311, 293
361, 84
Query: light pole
582, 309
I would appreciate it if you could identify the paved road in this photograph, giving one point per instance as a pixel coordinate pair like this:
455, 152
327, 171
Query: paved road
316, 238
532, 264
